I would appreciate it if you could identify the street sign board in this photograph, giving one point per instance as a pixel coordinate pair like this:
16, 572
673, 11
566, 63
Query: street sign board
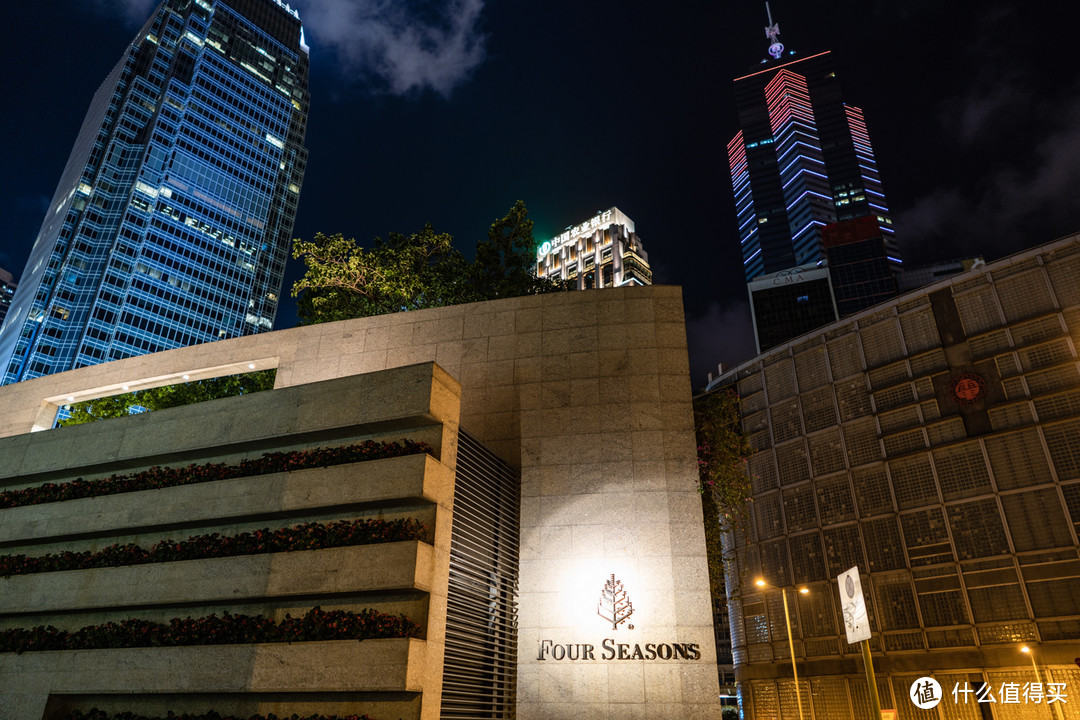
853, 605
888, 715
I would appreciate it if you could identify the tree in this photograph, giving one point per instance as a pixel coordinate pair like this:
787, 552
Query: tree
723, 449
169, 396
410, 272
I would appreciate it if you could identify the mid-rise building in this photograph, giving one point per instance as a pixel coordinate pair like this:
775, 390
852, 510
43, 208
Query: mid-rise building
801, 161
7, 292
933, 441
172, 220
916, 277
604, 251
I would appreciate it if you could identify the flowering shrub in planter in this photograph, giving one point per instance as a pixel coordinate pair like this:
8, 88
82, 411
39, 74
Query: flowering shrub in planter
96, 714
162, 477
310, 536
228, 629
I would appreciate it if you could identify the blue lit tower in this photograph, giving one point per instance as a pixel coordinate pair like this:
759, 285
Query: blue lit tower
172, 220
803, 161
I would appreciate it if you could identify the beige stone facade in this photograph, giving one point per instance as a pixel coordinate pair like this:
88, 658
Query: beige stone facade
587, 393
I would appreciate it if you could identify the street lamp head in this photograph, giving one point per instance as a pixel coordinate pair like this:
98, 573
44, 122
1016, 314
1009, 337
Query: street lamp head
1025, 649
804, 590
759, 582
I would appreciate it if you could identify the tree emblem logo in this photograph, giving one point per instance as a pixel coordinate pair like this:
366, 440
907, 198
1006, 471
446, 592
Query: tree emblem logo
614, 605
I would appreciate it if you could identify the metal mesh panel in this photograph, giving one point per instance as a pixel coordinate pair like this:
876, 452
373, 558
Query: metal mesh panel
844, 356
830, 698
913, 482
904, 442
881, 343
755, 422
1017, 459
1007, 365
950, 638
1072, 501
762, 472
894, 396
1065, 278
1036, 520
807, 559
862, 443
1006, 634
884, 549
1000, 602
905, 708
766, 703
920, 330
826, 452
780, 380
977, 530
904, 641
924, 388
928, 363
767, 512
1064, 376
860, 697
1045, 355
1060, 405
774, 562
811, 369
872, 491
926, 537
989, 344
834, 499
1055, 597
958, 710
843, 549
961, 471
819, 410
888, 374
1036, 330
786, 420
791, 462
901, 419
1004, 417
1021, 710
799, 507
1063, 441
753, 403
978, 310
853, 399
1025, 295
930, 410
760, 440
1059, 629
945, 432
896, 601
1071, 678
750, 384
816, 613
1014, 388
943, 608
789, 707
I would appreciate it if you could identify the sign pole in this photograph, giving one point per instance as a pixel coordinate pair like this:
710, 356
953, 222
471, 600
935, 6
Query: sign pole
871, 681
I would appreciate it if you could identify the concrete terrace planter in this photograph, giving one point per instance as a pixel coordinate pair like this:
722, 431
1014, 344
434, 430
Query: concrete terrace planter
359, 568
410, 476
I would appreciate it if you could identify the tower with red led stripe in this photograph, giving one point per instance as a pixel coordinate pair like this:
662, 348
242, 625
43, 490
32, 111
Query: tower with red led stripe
806, 184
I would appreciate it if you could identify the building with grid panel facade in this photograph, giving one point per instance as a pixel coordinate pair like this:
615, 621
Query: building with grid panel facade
172, 220
7, 291
934, 442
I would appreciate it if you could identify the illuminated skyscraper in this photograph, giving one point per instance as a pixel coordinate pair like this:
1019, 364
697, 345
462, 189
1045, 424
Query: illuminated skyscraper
803, 161
172, 220
604, 251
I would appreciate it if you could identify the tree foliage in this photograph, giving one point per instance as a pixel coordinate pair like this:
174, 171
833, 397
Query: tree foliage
169, 396
343, 280
723, 449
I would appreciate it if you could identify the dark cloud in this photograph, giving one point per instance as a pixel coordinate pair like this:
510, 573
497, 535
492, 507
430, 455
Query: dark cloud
394, 45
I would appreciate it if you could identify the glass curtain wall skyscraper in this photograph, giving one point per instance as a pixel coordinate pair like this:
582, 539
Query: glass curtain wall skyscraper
172, 220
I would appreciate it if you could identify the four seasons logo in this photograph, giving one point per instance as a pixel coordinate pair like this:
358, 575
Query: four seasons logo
614, 605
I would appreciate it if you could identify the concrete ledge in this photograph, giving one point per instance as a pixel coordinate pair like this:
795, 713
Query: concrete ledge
397, 665
411, 476
386, 566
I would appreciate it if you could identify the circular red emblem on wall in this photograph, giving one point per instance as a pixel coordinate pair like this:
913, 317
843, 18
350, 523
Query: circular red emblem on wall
968, 387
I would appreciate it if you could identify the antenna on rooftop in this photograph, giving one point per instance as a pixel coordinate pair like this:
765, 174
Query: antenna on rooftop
772, 31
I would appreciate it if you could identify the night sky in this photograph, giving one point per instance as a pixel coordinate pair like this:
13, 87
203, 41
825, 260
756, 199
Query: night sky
448, 112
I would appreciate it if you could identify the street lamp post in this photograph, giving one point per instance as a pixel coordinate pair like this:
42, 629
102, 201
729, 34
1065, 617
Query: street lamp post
1056, 712
791, 642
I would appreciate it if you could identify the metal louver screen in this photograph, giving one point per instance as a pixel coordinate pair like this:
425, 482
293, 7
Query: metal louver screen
978, 310
920, 330
810, 368
1036, 330
1025, 295
881, 343
844, 357
480, 668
